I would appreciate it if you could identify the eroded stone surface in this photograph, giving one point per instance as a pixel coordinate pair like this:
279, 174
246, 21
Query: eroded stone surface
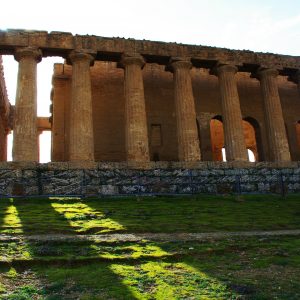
106, 179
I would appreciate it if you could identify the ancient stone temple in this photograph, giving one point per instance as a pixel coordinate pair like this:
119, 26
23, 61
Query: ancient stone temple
179, 117
155, 106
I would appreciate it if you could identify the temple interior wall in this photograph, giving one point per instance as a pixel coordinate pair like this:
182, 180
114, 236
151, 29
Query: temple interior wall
109, 119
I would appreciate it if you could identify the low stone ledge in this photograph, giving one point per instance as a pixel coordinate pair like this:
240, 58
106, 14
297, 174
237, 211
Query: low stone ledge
180, 165
112, 165
162, 165
82, 165
242, 164
54, 166
287, 164
141, 165
278, 164
24, 165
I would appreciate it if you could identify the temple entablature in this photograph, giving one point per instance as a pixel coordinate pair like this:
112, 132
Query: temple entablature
111, 49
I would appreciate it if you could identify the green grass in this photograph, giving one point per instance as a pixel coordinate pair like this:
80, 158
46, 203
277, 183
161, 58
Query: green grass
231, 268
149, 214
240, 268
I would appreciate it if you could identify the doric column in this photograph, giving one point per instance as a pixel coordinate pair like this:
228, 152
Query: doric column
137, 145
25, 146
81, 147
278, 144
234, 139
187, 133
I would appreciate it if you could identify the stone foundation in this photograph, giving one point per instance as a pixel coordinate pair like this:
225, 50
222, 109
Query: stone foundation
32, 179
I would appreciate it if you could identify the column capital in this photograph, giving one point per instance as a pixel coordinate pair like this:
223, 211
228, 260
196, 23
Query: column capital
262, 72
32, 52
223, 68
81, 55
179, 63
132, 59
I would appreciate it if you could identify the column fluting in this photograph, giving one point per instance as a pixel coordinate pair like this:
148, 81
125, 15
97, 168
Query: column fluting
137, 145
274, 122
81, 143
234, 139
187, 132
25, 143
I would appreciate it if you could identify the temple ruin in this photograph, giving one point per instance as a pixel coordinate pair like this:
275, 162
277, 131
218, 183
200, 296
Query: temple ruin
154, 105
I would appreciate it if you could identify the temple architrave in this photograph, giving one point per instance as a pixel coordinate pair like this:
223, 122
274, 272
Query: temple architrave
118, 99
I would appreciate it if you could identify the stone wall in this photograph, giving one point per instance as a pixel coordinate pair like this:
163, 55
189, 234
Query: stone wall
155, 178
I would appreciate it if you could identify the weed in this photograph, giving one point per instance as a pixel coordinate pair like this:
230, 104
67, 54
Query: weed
24, 293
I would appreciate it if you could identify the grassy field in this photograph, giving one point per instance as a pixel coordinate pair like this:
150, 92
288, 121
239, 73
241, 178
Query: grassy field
230, 268
148, 214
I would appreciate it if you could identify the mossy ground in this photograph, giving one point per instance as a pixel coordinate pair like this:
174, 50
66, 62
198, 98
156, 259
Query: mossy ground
231, 268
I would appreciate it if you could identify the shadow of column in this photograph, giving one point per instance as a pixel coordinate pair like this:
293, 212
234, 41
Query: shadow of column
4, 204
37, 217
179, 267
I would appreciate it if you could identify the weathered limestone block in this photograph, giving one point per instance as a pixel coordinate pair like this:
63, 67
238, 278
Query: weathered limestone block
48, 189
112, 165
180, 180
56, 166
92, 190
286, 171
294, 187
231, 172
218, 164
130, 189
182, 173
248, 187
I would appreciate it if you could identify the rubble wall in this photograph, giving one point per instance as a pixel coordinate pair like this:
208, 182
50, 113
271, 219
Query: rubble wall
19, 179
